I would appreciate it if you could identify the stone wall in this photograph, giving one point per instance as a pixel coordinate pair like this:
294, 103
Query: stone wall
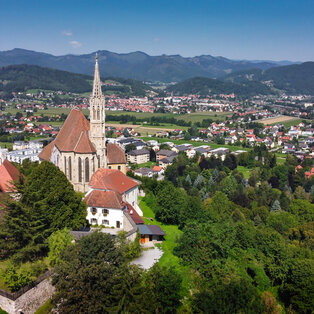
28, 302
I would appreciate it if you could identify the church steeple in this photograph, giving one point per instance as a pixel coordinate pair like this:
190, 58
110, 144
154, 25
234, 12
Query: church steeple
97, 118
97, 83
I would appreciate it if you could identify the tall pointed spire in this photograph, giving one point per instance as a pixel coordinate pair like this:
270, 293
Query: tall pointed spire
97, 83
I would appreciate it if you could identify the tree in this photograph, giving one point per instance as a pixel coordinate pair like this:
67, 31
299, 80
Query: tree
58, 242
129, 147
48, 203
90, 276
163, 286
170, 202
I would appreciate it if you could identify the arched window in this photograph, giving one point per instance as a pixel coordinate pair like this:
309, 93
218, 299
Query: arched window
79, 169
86, 169
98, 114
98, 162
65, 166
94, 113
93, 165
70, 168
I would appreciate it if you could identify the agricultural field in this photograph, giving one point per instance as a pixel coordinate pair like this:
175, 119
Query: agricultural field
285, 120
192, 117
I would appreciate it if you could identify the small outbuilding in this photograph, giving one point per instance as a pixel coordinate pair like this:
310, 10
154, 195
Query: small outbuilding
150, 233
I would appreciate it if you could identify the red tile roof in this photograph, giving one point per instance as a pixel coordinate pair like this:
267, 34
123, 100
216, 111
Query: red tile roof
73, 136
112, 180
104, 199
8, 173
46, 152
115, 154
134, 215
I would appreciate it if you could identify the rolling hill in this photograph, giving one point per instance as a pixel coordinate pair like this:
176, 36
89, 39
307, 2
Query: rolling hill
206, 86
136, 65
24, 77
293, 79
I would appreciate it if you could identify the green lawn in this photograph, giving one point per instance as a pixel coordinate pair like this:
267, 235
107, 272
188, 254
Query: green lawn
172, 235
149, 164
46, 308
246, 171
6, 145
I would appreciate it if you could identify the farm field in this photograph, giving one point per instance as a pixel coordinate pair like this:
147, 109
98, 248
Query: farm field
193, 117
286, 120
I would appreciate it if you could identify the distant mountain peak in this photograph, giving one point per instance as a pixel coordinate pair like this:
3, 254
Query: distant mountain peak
137, 65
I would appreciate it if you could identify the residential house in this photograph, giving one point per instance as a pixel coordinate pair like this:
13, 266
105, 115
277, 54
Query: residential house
138, 156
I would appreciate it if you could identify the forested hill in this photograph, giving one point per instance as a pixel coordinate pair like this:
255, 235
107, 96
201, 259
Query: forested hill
16, 78
137, 65
293, 79
205, 86
23, 77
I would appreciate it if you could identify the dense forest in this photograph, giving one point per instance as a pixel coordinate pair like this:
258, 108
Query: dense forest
247, 242
207, 86
245, 245
20, 78
293, 79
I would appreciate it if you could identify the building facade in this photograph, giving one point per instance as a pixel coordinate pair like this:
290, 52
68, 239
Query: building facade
80, 149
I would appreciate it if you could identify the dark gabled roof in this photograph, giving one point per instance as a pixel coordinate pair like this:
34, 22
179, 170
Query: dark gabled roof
138, 152
150, 230
165, 152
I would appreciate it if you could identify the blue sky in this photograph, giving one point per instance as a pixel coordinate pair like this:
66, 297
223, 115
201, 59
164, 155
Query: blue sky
236, 29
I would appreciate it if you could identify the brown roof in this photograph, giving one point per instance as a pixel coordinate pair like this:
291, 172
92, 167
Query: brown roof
84, 145
115, 154
46, 152
134, 215
111, 180
8, 173
73, 136
105, 199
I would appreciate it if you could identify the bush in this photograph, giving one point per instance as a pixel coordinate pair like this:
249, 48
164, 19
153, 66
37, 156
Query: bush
15, 281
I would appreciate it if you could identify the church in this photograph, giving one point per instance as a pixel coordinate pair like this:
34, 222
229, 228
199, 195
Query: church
80, 148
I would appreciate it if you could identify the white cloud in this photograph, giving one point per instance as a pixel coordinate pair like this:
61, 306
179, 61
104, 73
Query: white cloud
67, 33
75, 44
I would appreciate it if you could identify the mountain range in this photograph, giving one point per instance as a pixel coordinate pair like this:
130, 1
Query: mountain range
136, 65
23, 77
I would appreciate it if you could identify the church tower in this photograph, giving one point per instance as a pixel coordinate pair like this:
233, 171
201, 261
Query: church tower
97, 119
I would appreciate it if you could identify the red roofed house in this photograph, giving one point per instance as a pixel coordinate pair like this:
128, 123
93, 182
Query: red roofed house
80, 147
113, 201
8, 174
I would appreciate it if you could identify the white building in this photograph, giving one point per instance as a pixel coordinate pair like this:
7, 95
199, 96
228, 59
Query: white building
112, 199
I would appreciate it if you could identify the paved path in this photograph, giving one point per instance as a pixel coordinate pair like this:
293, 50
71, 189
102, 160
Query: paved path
148, 258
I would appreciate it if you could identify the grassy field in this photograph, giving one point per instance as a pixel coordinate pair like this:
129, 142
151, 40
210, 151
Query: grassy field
6, 145
193, 117
168, 259
246, 171
46, 308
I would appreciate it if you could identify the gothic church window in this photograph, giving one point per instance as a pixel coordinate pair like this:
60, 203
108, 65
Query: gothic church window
79, 169
70, 168
86, 169
65, 166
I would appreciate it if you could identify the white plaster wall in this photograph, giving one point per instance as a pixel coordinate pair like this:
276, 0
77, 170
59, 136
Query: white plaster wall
113, 216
